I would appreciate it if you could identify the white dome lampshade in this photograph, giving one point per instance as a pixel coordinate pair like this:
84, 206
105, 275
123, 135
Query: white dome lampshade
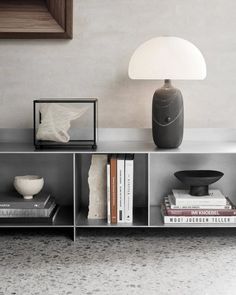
167, 58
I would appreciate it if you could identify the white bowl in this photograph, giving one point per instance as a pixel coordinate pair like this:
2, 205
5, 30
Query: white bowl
28, 185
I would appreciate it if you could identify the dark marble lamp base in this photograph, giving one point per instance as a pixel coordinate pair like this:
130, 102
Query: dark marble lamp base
167, 116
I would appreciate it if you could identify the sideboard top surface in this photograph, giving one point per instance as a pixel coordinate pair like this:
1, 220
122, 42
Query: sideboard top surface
196, 141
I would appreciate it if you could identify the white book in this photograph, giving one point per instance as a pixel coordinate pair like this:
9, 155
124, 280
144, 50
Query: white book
212, 207
121, 188
197, 219
183, 198
108, 193
129, 183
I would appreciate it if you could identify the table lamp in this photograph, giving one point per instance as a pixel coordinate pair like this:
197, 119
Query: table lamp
167, 58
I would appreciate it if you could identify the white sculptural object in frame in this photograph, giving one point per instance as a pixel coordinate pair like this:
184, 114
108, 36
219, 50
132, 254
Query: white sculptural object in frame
56, 121
97, 187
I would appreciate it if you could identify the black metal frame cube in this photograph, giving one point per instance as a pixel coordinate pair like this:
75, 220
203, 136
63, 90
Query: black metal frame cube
78, 143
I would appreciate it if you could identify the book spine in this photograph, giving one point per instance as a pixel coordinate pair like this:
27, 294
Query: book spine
200, 203
23, 204
200, 219
6, 213
120, 189
113, 188
108, 194
174, 207
170, 200
129, 180
27, 220
200, 212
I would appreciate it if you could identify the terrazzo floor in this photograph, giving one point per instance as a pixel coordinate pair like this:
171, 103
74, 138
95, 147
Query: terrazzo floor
123, 262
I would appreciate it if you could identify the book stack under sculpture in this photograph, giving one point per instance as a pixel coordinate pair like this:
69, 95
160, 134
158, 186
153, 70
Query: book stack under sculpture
41, 209
181, 207
120, 179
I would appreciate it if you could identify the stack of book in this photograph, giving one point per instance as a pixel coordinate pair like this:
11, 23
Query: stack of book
120, 181
41, 209
181, 207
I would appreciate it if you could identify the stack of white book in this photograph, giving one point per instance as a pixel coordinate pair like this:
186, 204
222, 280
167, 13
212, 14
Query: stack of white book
181, 207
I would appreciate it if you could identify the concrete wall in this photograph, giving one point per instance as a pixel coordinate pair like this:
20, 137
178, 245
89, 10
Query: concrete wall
95, 62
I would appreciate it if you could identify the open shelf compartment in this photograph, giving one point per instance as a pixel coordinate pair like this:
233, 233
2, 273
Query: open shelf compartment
140, 193
162, 180
56, 169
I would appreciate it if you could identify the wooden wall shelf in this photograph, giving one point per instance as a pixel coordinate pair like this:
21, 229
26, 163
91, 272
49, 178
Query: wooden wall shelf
36, 19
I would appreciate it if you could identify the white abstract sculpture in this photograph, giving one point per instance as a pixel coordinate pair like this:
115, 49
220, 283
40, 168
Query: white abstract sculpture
56, 121
97, 187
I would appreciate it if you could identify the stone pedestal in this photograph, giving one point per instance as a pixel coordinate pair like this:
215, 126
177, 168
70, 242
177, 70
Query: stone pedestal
97, 181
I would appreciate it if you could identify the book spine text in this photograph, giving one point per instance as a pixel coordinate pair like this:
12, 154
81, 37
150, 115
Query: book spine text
200, 212
120, 190
129, 171
113, 190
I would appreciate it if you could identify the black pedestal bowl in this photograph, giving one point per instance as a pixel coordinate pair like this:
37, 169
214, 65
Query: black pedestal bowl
198, 180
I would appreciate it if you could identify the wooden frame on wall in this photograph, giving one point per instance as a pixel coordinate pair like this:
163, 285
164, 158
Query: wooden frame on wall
36, 19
